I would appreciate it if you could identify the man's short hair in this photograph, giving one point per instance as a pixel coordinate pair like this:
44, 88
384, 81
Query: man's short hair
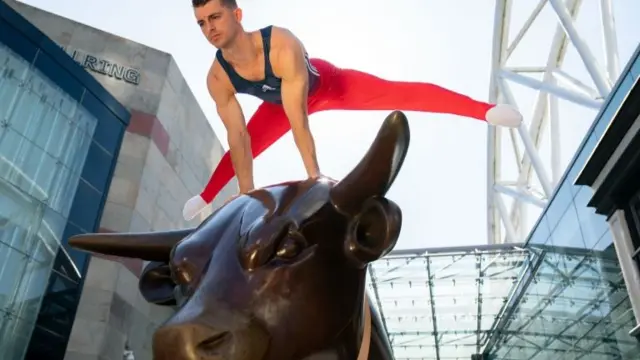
231, 4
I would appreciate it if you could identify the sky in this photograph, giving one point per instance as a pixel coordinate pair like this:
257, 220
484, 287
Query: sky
442, 185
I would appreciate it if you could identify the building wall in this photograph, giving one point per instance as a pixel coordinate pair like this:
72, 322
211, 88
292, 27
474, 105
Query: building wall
577, 296
60, 132
168, 153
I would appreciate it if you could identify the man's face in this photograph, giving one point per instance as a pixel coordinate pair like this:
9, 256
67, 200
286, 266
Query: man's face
219, 24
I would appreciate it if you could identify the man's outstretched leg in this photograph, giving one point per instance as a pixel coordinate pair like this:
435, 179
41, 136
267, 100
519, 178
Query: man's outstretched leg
357, 90
266, 126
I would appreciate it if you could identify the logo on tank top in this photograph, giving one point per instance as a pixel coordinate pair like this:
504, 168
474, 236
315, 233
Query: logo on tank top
312, 69
266, 88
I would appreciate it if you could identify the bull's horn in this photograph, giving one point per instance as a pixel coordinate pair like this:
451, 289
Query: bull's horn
152, 246
378, 169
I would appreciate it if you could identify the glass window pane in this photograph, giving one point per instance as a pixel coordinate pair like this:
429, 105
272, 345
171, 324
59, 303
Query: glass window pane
605, 244
568, 232
14, 339
593, 226
13, 70
30, 168
30, 290
12, 266
44, 141
559, 204
635, 68
54, 138
65, 192
541, 233
19, 218
10, 93
74, 155
28, 113
49, 236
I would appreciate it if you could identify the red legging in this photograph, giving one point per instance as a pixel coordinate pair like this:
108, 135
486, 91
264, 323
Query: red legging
346, 89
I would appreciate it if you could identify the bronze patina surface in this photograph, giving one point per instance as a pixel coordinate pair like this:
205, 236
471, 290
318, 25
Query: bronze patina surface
276, 274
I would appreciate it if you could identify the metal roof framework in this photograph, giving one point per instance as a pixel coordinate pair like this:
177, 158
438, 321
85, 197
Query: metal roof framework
523, 167
504, 301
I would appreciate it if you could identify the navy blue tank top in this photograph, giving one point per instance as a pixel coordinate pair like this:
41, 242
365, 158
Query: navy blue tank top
269, 88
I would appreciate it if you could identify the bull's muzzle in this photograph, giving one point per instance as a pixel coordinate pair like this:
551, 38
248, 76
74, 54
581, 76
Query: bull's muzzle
197, 341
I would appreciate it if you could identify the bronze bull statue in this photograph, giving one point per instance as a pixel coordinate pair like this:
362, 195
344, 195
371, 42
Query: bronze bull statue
279, 273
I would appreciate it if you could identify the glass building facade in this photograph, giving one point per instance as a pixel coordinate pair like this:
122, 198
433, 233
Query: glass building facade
60, 132
573, 303
559, 296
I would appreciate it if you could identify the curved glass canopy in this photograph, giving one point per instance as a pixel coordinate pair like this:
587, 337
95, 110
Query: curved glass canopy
503, 301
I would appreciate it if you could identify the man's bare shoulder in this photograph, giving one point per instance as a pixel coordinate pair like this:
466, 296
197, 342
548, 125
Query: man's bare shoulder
286, 50
283, 39
281, 31
218, 81
215, 72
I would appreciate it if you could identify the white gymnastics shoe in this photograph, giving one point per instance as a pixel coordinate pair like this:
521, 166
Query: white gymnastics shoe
193, 207
504, 115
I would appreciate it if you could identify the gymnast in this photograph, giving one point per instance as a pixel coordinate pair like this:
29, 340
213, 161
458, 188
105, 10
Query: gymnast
273, 65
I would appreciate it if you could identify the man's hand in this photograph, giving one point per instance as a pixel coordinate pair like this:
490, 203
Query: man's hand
290, 64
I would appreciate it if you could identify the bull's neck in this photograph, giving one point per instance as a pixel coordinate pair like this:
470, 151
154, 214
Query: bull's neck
351, 339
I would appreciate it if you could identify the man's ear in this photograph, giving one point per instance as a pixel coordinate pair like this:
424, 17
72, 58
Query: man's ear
373, 232
238, 13
156, 284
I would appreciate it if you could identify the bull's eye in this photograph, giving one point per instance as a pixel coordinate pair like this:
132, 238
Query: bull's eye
182, 277
180, 274
291, 244
289, 248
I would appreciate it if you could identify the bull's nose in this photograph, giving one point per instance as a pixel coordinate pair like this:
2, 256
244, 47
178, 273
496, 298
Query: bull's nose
190, 342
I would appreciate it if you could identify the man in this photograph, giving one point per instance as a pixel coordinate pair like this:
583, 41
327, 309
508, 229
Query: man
273, 65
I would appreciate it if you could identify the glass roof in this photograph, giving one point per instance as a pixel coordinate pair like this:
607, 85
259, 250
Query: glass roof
542, 302
575, 307
444, 304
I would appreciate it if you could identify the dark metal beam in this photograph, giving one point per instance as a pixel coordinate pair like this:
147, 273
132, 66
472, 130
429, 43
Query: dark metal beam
434, 320
374, 285
479, 317
456, 249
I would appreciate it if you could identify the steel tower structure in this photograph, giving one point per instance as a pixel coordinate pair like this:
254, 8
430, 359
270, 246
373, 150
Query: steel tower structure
525, 164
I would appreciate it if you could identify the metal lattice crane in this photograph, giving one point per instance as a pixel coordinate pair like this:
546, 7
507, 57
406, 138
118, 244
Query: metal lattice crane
520, 178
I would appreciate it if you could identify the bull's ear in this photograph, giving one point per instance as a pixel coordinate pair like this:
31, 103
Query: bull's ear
156, 284
373, 232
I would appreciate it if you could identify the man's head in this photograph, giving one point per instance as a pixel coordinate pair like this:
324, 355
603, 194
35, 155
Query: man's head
219, 20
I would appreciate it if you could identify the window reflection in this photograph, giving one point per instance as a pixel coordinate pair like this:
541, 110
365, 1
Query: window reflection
559, 205
542, 233
577, 308
567, 233
44, 140
593, 226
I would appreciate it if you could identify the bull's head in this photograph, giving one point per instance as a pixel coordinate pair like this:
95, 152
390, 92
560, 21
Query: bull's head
277, 274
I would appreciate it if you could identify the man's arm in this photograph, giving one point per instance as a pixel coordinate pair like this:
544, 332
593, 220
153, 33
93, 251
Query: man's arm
290, 64
232, 117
